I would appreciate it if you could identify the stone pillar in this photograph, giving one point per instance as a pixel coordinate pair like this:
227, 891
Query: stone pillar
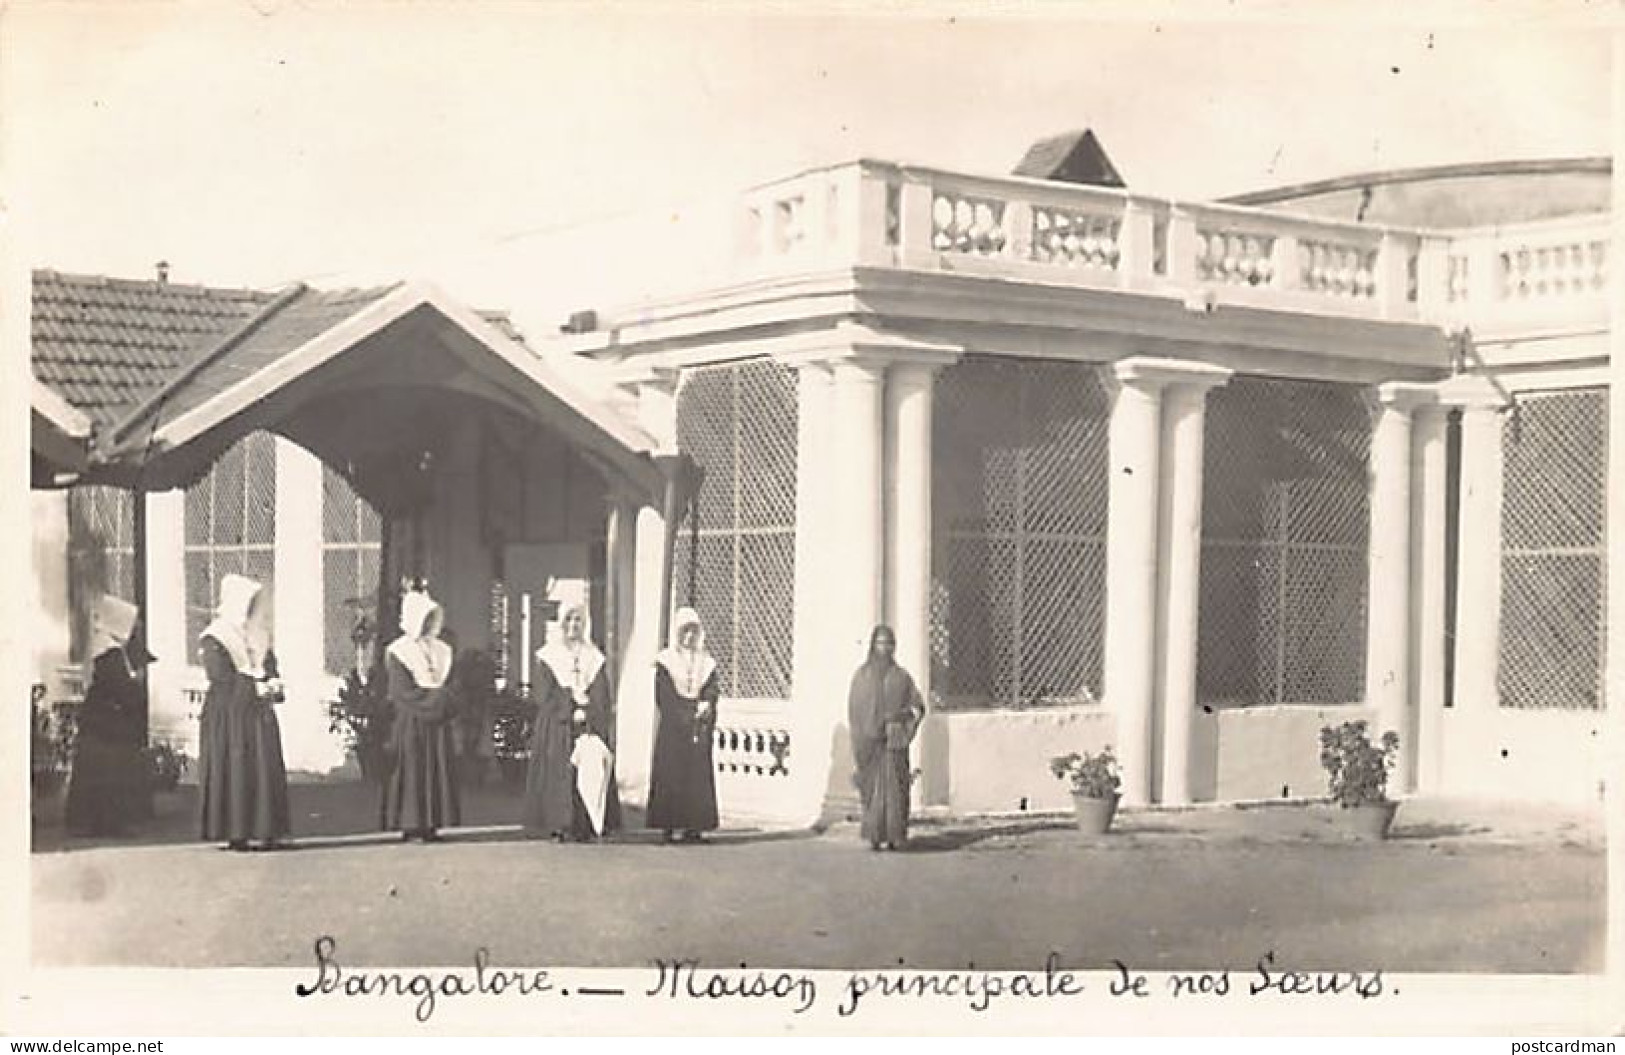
1131, 568
909, 396
1428, 496
1478, 560
298, 612
1388, 590
815, 696
853, 553
170, 716
1179, 567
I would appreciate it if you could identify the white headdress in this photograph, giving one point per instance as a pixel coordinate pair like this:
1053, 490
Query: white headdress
419, 647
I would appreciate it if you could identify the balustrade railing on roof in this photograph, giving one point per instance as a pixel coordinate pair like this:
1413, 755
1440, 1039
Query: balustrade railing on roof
878, 214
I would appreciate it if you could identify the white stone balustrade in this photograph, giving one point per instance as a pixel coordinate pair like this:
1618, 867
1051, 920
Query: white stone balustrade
878, 214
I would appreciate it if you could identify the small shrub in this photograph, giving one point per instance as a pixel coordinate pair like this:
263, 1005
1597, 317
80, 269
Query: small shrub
1357, 769
1092, 775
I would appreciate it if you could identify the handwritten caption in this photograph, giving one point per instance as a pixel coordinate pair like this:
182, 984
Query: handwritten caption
849, 993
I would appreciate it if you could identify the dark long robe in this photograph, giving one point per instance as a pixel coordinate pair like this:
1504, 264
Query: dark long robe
420, 790
109, 772
884, 711
242, 777
682, 777
552, 805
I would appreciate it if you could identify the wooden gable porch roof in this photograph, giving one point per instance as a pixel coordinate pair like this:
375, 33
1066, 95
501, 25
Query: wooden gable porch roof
171, 378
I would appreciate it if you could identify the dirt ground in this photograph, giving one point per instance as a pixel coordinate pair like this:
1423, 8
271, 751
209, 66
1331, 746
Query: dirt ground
1457, 888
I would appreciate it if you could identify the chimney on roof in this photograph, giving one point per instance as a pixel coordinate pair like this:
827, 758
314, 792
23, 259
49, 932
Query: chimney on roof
163, 272
1075, 157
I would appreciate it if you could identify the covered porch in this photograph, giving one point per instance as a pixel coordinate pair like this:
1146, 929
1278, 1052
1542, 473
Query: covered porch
340, 444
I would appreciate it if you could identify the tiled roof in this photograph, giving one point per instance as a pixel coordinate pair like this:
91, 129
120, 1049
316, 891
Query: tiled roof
287, 324
107, 344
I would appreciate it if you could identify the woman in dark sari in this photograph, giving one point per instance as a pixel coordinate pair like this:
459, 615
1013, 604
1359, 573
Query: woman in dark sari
420, 793
242, 777
682, 778
108, 770
573, 707
884, 710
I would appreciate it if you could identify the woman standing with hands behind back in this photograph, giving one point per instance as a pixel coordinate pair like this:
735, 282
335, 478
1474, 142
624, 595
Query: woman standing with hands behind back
682, 781
420, 795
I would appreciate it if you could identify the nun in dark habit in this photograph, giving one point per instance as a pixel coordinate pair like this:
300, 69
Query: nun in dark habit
243, 779
420, 792
884, 710
682, 778
572, 694
109, 771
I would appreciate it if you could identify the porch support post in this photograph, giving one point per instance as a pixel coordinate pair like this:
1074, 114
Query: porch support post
1131, 568
1429, 482
298, 610
1388, 590
634, 684
165, 620
1179, 568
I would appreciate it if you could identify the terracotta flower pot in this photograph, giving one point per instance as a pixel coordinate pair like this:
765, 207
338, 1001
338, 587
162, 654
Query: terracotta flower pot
1094, 815
1369, 822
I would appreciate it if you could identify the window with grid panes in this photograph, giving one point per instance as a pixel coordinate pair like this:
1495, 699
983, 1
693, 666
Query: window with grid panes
350, 551
736, 563
1553, 544
1285, 524
1019, 488
230, 526
101, 552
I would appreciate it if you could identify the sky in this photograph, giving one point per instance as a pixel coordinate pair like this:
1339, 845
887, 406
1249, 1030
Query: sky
258, 143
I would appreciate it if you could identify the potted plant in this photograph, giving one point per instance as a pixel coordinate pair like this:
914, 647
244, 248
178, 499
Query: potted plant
513, 719
165, 765
361, 716
1095, 784
1357, 776
50, 755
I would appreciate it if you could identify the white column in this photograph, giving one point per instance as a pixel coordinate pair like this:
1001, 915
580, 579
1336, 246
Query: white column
1184, 418
1429, 484
634, 697
908, 526
299, 611
853, 556
171, 718
815, 697
1388, 591
1478, 554
634, 693
1131, 570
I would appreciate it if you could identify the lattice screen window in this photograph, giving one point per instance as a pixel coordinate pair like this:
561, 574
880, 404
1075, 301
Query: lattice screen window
1285, 523
738, 421
1553, 533
350, 552
101, 553
1019, 562
230, 526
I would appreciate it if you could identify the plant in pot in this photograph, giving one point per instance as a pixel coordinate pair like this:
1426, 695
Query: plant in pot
1357, 776
513, 719
1095, 785
166, 763
361, 716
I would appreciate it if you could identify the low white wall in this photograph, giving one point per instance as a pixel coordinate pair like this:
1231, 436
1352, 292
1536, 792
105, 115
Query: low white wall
997, 761
1243, 753
1523, 755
